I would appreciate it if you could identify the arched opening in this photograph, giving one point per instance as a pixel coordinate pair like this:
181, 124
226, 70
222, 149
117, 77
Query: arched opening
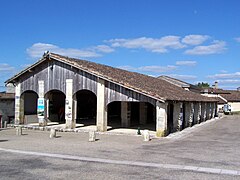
86, 107
30, 99
170, 109
183, 111
114, 114
55, 106
135, 113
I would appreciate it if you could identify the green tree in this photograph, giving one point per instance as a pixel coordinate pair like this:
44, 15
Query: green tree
203, 85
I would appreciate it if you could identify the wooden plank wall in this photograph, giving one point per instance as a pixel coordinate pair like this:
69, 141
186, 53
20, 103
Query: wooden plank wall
115, 92
54, 75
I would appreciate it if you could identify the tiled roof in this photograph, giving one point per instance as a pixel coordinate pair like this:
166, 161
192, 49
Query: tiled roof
181, 83
151, 86
211, 90
175, 81
232, 96
229, 95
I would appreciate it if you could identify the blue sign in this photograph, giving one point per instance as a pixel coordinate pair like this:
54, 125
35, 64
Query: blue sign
40, 108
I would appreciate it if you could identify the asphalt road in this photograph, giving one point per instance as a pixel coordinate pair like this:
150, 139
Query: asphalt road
210, 151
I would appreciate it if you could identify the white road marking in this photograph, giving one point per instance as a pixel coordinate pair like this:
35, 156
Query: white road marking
130, 163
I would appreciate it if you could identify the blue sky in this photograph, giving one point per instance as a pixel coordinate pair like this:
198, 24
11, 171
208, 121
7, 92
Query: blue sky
192, 40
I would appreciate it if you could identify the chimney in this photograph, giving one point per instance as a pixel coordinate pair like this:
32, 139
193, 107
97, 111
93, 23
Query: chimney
216, 85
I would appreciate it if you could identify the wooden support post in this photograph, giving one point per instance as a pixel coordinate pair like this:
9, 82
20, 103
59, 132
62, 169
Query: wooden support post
125, 118
143, 113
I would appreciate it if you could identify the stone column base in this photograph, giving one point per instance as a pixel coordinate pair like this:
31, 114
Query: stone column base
160, 133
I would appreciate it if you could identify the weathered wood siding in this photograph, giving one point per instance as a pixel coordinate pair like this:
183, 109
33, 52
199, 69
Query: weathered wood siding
54, 75
114, 92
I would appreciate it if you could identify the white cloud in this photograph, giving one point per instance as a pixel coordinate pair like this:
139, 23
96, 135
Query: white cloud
237, 39
223, 71
215, 48
37, 50
152, 69
225, 76
6, 72
4, 67
158, 45
229, 81
128, 68
186, 63
183, 77
195, 39
229, 87
157, 69
103, 48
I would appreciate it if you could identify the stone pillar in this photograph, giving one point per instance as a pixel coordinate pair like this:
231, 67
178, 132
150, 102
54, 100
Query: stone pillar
125, 114
210, 110
101, 106
5, 124
203, 112
197, 113
18, 104
207, 110
41, 103
213, 110
191, 117
177, 122
161, 119
74, 111
180, 118
70, 122
187, 114
47, 109
143, 113
22, 110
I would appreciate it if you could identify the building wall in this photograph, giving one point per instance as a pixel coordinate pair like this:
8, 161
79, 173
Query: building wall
54, 75
235, 106
6, 109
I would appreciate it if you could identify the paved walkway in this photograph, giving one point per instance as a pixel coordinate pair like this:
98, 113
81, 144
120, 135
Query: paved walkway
131, 163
